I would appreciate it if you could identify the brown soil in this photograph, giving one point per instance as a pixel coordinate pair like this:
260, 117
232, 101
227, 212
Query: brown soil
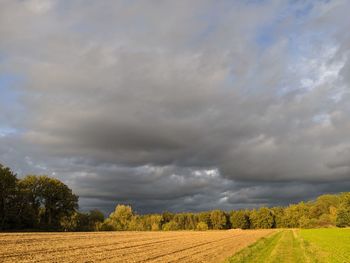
177, 246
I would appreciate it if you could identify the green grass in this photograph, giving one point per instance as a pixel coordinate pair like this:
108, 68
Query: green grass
258, 252
285, 246
333, 242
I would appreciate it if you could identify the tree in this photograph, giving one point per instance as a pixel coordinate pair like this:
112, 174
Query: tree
167, 217
191, 221
205, 217
343, 213
170, 226
343, 217
69, 223
278, 213
8, 182
218, 219
155, 221
83, 223
96, 218
50, 200
323, 205
108, 225
306, 222
293, 214
121, 217
240, 219
180, 220
262, 218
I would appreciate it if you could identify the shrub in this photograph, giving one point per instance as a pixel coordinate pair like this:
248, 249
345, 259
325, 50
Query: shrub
170, 226
202, 226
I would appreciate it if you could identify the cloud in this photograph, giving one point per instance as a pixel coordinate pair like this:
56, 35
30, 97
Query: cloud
179, 105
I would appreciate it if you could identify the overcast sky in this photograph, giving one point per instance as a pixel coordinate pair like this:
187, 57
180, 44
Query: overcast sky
178, 105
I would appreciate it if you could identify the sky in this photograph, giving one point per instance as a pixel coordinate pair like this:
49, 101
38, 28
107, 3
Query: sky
178, 105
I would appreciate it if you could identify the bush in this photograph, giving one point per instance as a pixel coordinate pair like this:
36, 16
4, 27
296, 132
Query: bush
343, 217
202, 226
170, 226
107, 227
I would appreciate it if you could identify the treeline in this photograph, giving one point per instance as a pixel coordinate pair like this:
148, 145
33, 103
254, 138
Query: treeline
41, 203
325, 211
47, 204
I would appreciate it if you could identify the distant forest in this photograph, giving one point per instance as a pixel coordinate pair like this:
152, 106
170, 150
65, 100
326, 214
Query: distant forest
42, 203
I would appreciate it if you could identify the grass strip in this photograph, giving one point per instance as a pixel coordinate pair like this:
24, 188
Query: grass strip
257, 252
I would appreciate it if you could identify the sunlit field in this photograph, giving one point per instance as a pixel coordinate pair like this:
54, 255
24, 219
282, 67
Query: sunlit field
333, 243
293, 246
169, 246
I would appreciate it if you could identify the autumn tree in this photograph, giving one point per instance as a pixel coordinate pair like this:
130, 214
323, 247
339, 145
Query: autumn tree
262, 218
218, 219
121, 217
294, 213
240, 219
205, 217
343, 213
170, 226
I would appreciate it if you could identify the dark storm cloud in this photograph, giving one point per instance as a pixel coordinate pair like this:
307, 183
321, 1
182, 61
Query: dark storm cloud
179, 105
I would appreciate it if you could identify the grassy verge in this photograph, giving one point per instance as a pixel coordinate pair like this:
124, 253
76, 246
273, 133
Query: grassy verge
285, 246
257, 251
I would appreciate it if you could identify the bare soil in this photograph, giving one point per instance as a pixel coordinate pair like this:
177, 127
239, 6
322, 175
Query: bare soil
177, 246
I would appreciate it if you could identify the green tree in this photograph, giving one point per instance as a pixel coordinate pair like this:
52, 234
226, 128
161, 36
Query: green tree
83, 223
278, 213
323, 209
293, 214
179, 220
191, 221
218, 219
8, 182
167, 217
239, 219
50, 200
343, 217
262, 218
343, 213
306, 222
69, 223
205, 217
96, 218
170, 226
108, 225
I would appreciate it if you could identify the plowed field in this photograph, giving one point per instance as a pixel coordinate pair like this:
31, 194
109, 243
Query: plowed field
180, 246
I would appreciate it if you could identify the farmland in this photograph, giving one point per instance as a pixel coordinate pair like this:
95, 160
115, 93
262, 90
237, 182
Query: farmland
333, 242
305, 245
172, 246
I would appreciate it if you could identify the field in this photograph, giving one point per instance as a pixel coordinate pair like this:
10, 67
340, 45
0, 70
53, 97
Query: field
334, 243
292, 246
180, 246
